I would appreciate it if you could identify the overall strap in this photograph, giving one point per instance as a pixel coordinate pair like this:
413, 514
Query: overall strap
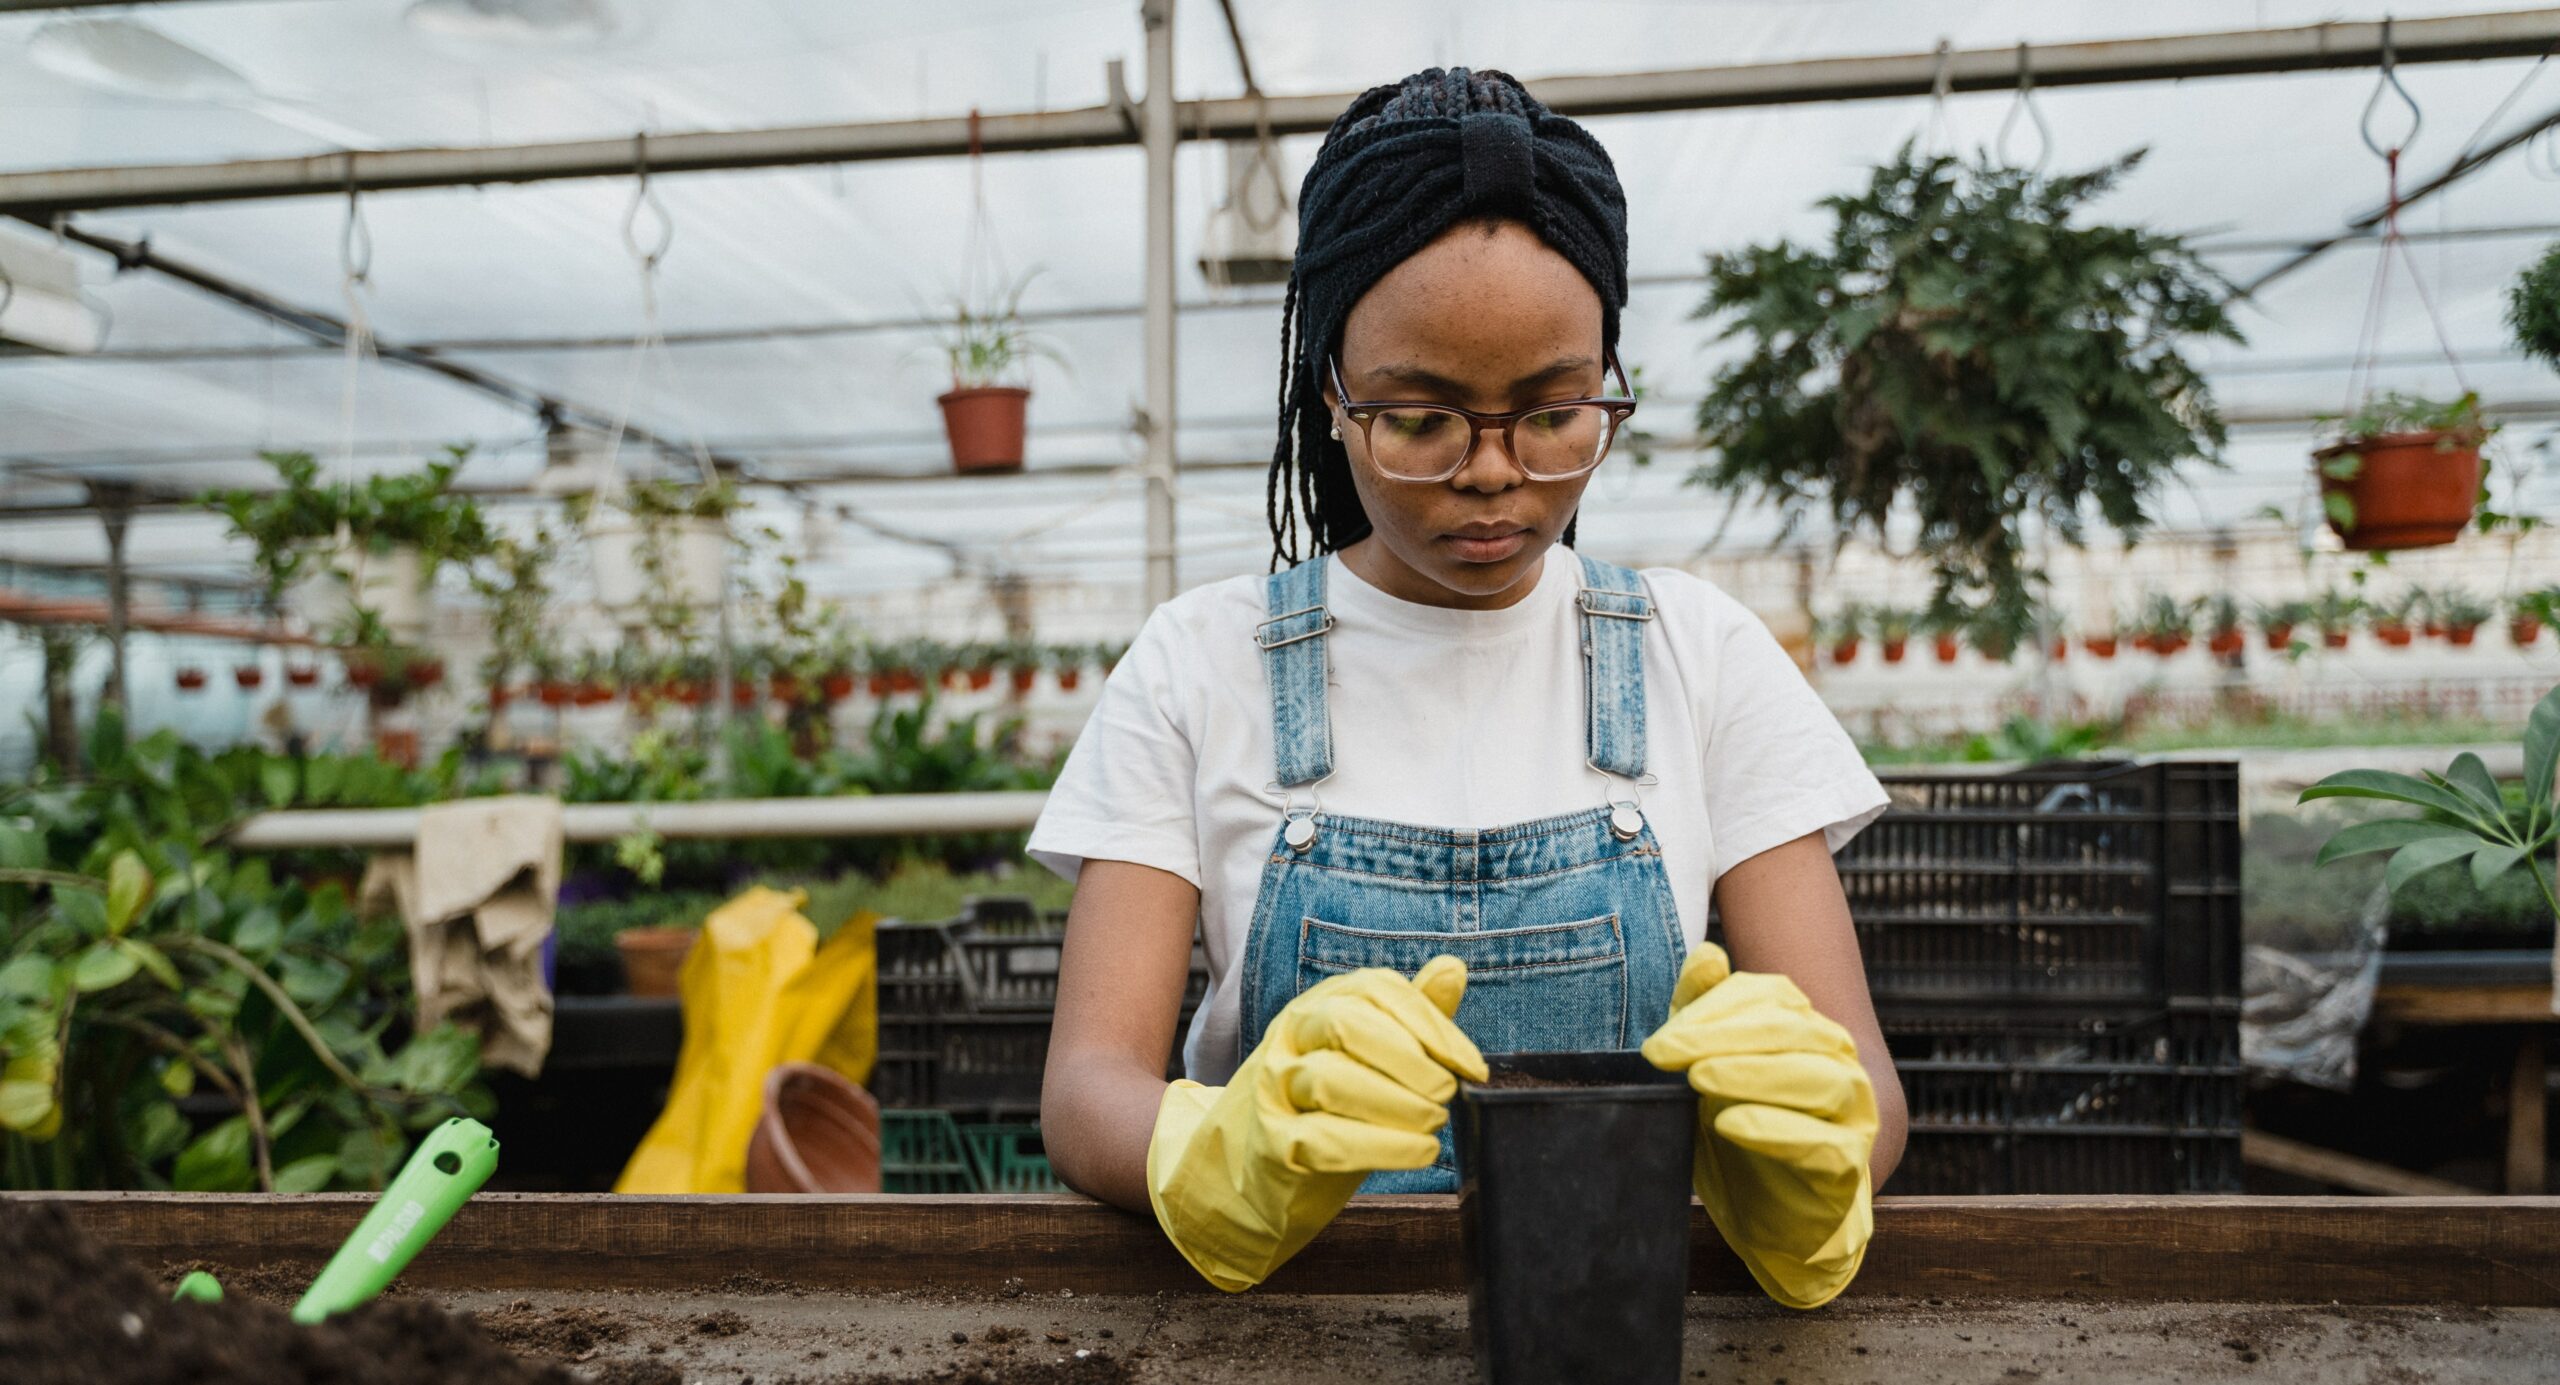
1614, 611
1293, 659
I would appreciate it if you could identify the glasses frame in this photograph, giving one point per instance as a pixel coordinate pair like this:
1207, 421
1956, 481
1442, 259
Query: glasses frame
1364, 412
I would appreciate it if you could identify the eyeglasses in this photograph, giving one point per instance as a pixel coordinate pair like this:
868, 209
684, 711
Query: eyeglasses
1555, 441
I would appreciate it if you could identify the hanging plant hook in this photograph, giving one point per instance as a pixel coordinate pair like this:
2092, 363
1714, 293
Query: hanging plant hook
2026, 103
1933, 131
649, 252
355, 238
2390, 80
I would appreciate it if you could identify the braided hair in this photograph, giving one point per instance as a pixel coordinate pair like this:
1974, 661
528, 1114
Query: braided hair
1401, 165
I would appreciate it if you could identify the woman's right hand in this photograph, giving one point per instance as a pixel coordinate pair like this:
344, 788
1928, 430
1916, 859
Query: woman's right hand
1352, 1076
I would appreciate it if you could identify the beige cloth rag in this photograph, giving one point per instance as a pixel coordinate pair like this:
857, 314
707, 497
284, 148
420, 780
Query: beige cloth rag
476, 893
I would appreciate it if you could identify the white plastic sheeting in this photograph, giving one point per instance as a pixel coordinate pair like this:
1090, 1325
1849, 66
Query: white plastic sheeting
811, 280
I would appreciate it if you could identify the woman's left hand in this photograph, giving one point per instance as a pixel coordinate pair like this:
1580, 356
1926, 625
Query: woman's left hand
1786, 1121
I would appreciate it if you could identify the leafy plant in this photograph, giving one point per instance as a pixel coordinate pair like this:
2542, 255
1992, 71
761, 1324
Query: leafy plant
2455, 608
2393, 412
2464, 814
2541, 604
2336, 612
516, 585
173, 1016
1961, 346
987, 343
2281, 615
302, 519
2533, 308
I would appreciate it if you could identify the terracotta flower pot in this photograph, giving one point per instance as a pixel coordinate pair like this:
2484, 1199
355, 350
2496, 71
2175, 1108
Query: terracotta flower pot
2227, 642
818, 1134
592, 695
905, 680
248, 676
2279, 637
1845, 652
553, 693
985, 426
426, 673
2460, 636
1895, 649
1946, 648
686, 692
742, 692
2523, 630
191, 680
363, 673
1068, 678
2099, 646
2434, 629
836, 686
2334, 639
652, 958
1024, 679
2413, 490
981, 679
879, 685
302, 676
2394, 634
785, 687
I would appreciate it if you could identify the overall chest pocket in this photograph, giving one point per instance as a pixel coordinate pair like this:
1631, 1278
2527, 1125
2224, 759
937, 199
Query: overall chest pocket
1544, 988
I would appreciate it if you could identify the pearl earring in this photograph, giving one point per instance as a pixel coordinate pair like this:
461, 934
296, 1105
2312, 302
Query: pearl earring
1337, 432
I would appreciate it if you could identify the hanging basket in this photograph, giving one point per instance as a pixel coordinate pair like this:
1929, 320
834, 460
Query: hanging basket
2099, 646
390, 583
248, 676
1895, 649
2402, 490
985, 426
692, 552
191, 680
302, 675
2522, 631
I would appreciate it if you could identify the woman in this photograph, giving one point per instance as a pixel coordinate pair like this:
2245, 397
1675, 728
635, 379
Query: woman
1441, 789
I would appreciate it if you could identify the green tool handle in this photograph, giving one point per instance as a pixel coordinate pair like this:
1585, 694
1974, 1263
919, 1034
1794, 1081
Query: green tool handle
449, 1166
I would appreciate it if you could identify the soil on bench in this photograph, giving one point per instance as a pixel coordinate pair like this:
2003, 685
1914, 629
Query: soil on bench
75, 1313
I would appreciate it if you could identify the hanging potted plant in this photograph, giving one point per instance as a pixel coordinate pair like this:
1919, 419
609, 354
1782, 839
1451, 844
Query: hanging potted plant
1946, 632
2224, 637
191, 679
248, 676
2276, 620
1893, 632
514, 588
2390, 619
1021, 660
2168, 625
1068, 660
2336, 613
1839, 632
984, 414
2459, 615
2102, 644
302, 675
2529, 612
2405, 472
1963, 349
1994, 632
660, 550
370, 547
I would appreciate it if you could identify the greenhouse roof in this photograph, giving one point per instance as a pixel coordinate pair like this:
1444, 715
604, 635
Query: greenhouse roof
796, 300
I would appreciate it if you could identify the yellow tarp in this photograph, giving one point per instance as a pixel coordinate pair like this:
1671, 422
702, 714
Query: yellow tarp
758, 990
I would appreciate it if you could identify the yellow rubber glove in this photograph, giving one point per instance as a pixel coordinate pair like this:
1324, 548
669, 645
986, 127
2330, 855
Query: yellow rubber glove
1353, 1076
1786, 1120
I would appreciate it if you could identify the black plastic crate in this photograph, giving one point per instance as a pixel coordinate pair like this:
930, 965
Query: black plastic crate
2089, 883
2023, 1103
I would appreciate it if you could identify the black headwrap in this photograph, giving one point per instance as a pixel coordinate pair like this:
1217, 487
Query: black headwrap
1401, 165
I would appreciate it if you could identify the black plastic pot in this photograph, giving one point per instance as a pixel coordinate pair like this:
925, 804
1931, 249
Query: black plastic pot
1574, 1199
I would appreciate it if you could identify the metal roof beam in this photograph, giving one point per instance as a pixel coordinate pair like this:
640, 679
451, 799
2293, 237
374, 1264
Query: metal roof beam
41, 195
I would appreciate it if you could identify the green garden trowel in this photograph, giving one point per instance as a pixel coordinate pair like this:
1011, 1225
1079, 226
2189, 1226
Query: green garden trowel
449, 1166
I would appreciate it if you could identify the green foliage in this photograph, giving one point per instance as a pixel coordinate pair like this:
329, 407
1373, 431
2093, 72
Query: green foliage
2393, 412
2293, 903
2533, 308
151, 982
665, 498
2033, 741
297, 523
2465, 814
987, 343
1961, 346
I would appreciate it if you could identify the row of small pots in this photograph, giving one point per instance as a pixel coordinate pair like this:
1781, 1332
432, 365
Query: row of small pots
422, 673
2522, 632
782, 687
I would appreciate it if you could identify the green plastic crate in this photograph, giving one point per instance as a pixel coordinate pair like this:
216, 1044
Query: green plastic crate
922, 1152
1010, 1159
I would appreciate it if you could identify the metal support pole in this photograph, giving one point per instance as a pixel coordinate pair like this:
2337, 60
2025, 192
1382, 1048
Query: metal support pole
115, 510
1158, 122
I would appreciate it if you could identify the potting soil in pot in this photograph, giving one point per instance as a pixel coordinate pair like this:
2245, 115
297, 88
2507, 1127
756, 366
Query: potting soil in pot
73, 1312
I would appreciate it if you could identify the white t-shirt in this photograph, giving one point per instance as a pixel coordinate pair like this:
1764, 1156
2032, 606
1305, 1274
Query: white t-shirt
1441, 718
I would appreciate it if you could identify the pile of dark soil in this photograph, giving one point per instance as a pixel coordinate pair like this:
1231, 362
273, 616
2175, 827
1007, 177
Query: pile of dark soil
74, 1313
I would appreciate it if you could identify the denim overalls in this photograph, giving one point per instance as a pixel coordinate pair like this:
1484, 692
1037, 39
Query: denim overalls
1566, 924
